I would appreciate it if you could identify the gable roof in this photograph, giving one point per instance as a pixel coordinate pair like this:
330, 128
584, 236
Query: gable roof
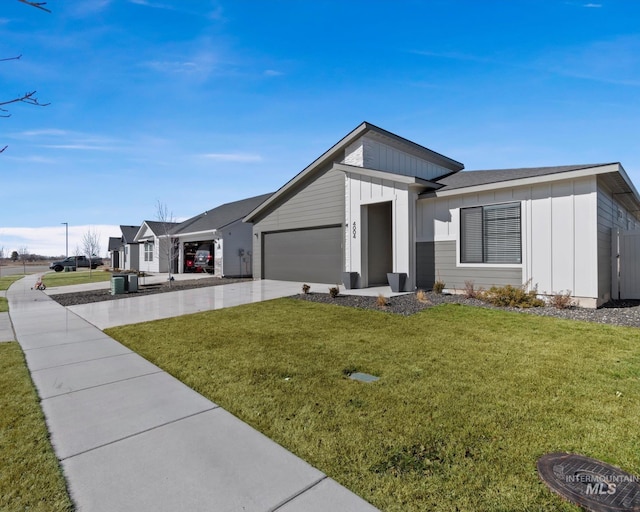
114, 243
336, 153
129, 233
219, 217
157, 228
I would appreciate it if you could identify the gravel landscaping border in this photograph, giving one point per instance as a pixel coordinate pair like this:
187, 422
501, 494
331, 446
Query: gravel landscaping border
624, 313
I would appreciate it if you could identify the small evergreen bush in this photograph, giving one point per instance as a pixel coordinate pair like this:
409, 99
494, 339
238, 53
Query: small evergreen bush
438, 286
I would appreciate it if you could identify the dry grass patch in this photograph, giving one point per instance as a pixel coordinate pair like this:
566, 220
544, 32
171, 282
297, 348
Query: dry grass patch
468, 398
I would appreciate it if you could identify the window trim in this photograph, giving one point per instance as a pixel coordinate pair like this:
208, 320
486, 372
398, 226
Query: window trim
148, 251
460, 263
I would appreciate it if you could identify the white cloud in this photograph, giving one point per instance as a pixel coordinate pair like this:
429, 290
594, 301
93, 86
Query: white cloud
87, 7
596, 6
173, 66
233, 157
51, 240
614, 61
55, 138
272, 72
44, 131
84, 147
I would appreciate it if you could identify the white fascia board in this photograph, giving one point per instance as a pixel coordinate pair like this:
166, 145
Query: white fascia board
534, 180
385, 175
196, 233
629, 183
141, 230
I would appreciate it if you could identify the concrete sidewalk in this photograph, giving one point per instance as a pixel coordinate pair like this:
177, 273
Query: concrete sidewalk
131, 437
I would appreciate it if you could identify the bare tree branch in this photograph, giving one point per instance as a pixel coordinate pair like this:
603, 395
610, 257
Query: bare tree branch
38, 5
12, 58
29, 98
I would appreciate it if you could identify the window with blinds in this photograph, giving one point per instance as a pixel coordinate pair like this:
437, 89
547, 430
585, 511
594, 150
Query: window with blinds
491, 234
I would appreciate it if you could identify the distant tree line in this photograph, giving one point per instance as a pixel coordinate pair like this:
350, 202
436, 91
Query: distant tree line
18, 256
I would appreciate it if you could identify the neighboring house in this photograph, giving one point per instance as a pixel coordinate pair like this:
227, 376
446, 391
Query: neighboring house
114, 251
129, 258
153, 243
376, 203
223, 230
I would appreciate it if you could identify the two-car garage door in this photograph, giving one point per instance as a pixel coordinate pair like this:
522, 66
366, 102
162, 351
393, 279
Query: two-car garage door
311, 255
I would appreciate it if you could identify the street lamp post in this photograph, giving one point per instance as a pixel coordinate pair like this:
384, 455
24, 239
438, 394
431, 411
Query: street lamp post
66, 238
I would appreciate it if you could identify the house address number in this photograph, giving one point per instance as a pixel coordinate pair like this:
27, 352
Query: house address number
354, 229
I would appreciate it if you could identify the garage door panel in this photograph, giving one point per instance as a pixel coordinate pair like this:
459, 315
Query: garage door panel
313, 255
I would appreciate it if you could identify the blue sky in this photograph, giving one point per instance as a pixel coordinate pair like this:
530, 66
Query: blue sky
195, 104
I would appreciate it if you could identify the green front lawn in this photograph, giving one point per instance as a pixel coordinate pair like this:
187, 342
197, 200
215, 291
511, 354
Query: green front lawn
4, 305
7, 281
468, 398
99, 275
30, 477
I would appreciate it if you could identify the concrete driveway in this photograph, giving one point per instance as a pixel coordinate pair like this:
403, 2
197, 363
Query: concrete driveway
113, 313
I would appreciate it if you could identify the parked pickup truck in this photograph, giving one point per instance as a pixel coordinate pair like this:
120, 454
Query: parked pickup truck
76, 261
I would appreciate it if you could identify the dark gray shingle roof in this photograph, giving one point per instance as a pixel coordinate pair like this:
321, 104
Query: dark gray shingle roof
158, 227
114, 243
129, 233
464, 179
221, 216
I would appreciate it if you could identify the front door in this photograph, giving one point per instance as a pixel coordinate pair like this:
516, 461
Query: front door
379, 243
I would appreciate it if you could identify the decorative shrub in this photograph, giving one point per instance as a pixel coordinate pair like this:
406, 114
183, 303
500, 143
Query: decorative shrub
470, 291
512, 296
306, 288
438, 286
562, 300
421, 296
334, 291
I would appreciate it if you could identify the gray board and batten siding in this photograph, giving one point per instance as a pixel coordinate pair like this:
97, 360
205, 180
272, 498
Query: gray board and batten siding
438, 260
611, 216
320, 203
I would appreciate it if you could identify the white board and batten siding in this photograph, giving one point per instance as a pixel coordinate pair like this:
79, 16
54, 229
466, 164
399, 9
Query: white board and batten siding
370, 153
363, 190
559, 233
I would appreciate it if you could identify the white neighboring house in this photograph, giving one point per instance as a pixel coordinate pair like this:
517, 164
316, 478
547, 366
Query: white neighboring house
222, 229
152, 246
376, 204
